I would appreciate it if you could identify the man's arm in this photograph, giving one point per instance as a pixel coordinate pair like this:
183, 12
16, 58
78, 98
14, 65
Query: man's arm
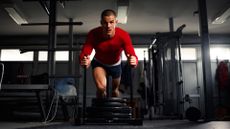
129, 50
86, 50
86, 61
132, 60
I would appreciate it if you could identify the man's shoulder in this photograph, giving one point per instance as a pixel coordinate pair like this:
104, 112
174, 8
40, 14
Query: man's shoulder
121, 31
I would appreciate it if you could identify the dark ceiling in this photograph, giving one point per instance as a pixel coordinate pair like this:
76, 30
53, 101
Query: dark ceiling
144, 16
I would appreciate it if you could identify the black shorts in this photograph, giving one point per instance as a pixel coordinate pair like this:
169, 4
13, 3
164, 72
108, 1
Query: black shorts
114, 71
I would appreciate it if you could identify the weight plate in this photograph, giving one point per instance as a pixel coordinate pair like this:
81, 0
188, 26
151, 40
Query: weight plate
110, 109
193, 114
112, 99
108, 104
109, 115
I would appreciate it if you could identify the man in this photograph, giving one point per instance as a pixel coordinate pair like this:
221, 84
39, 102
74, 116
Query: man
108, 41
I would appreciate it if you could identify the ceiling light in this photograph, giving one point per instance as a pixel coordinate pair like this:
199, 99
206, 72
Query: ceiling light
14, 14
222, 17
122, 11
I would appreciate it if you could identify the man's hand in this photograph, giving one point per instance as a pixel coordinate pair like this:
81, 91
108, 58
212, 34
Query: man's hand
132, 60
86, 61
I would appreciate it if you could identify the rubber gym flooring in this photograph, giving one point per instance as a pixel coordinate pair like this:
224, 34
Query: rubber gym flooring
155, 124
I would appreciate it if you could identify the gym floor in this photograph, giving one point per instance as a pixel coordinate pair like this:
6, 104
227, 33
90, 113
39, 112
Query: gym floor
155, 124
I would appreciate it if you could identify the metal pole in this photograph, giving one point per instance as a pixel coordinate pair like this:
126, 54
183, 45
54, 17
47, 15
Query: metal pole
173, 71
206, 62
51, 45
56, 23
108, 86
52, 38
171, 24
84, 96
131, 85
70, 47
155, 73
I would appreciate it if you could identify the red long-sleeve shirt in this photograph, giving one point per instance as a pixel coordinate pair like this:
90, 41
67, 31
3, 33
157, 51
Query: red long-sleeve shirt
108, 51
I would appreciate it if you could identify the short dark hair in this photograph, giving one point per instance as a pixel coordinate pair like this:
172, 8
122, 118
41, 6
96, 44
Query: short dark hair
108, 12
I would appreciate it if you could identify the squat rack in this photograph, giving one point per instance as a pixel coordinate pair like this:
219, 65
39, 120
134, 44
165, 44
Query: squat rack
52, 42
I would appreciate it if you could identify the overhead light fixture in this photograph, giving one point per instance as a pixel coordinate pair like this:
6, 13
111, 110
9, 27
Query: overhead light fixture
15, 14
122, 11
222, 17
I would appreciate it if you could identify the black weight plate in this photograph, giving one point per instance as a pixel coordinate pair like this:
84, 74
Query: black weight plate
110, 109
131, 121
193, 114
108, 104
109, 115
112, 99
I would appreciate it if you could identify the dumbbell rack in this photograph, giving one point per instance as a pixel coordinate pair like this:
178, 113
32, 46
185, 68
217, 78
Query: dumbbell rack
110, 110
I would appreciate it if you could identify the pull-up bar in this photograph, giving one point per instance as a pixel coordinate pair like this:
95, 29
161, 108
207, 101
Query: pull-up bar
57, 24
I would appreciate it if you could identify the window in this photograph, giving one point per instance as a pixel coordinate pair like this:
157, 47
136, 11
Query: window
188, 54
15, 55
140, 52
42, 56
220, 53
60, 56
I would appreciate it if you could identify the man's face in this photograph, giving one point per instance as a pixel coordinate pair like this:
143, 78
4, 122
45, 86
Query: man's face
108, 24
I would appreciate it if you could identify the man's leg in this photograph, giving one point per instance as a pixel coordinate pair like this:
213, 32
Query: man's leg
115, 89
99, 75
